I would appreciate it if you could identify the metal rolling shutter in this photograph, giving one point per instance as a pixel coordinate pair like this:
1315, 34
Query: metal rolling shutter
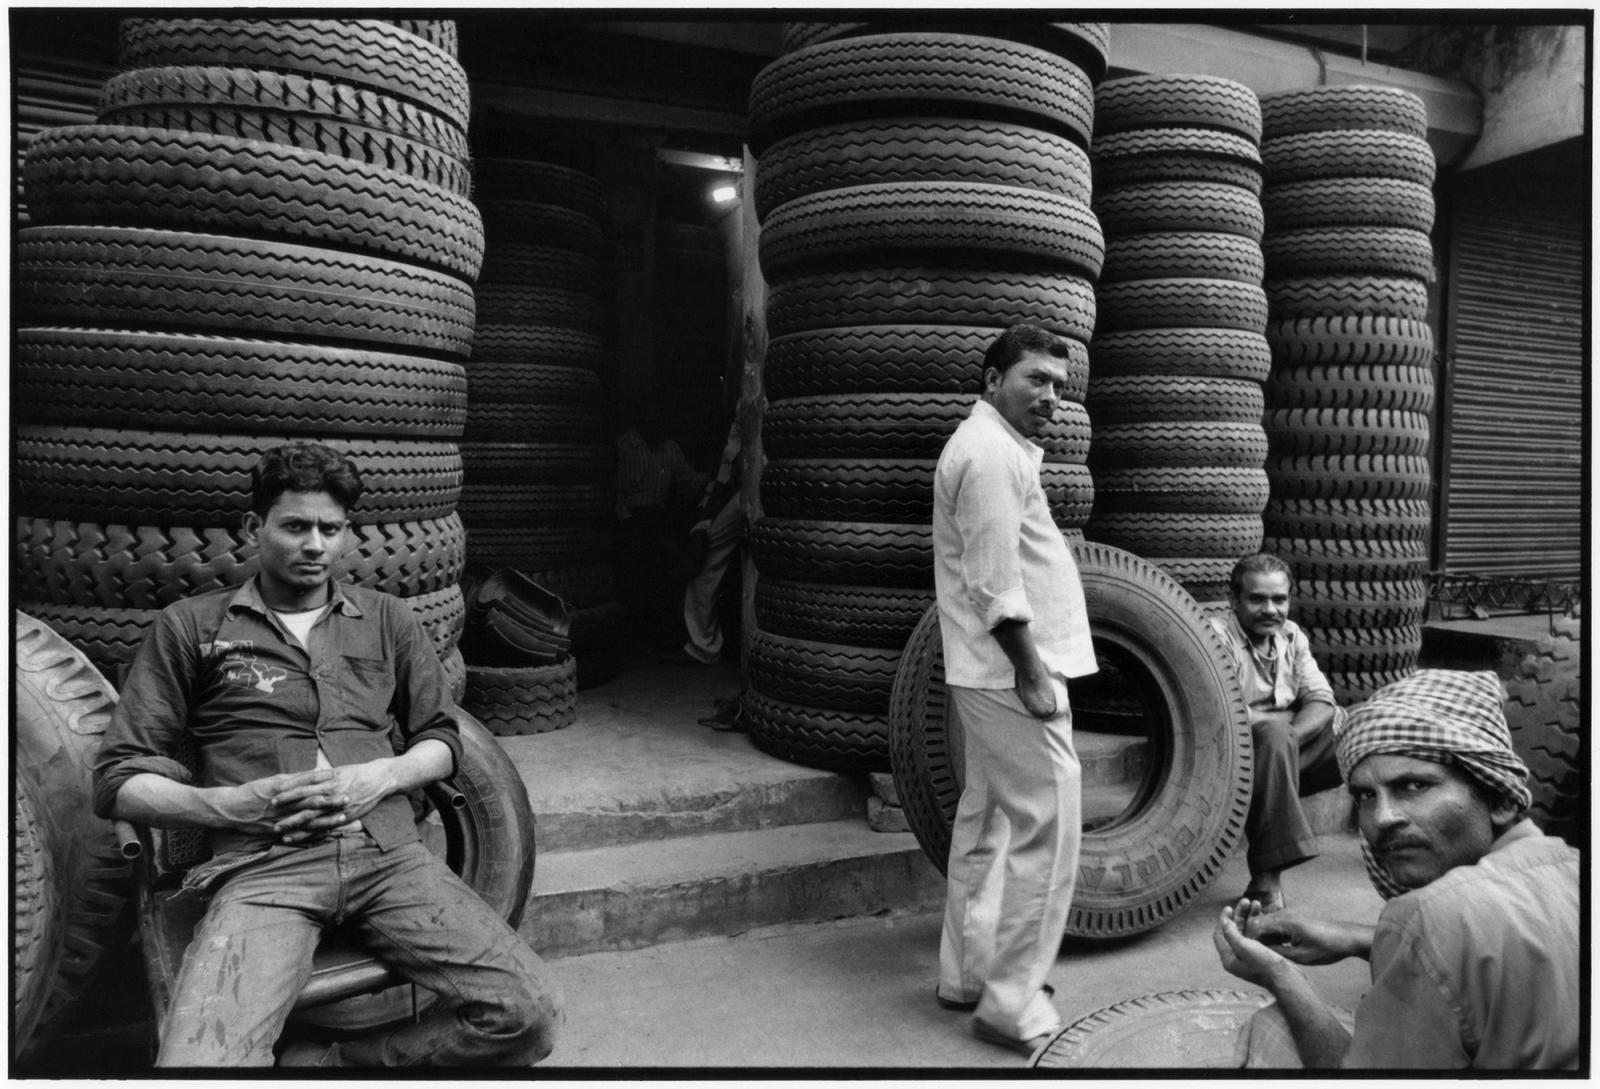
1512, 472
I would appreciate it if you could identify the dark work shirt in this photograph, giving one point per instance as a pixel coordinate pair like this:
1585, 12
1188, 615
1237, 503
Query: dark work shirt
221, 669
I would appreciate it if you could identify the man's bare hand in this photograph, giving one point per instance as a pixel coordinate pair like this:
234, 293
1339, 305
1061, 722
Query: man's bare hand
1307, 940
1242, 956
351, 792
260, 804
1037, 695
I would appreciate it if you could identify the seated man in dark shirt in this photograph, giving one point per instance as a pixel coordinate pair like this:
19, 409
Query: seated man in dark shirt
287, 687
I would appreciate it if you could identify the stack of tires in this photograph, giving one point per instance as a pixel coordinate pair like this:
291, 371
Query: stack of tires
538, 492
266, 237
1349, 205
1179, 355
919, 191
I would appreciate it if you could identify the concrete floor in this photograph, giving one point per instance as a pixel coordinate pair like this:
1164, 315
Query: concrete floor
858, 994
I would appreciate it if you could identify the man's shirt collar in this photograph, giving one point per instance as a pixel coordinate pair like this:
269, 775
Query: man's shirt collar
1278, 640
987, 411
248, 597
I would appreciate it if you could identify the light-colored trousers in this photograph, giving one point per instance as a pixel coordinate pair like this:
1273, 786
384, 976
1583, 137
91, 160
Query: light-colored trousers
700, 617
1013, 859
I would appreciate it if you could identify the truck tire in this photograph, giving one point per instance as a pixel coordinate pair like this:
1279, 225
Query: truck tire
178, 382
1543, 711
171, 179
932, 150
63, 707
37, 920
300, 111
368, 53
109, 277
1063, 304
515, 700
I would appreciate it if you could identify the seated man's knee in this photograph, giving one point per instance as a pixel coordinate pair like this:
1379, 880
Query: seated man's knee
1271, 733
520, 1029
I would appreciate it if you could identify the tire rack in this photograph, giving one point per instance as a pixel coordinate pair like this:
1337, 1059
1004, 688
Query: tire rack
264, 236
1349, 204
539, 488
1179, 355
919, 190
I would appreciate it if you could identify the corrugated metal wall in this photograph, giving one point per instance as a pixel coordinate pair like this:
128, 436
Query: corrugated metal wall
1512, 456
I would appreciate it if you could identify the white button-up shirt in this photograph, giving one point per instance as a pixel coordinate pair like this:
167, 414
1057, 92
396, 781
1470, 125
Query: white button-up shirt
999, 556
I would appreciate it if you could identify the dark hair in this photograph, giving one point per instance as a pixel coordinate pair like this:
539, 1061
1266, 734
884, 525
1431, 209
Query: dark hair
1017, 341
303, 467
1263, 563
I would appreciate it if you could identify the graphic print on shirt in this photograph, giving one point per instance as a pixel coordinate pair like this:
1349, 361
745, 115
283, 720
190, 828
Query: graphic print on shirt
239, 665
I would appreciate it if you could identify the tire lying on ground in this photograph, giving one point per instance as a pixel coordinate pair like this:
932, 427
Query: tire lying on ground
512, 700
1143, 866
63, 706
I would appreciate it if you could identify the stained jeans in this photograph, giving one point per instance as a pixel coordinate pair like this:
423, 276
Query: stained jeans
1013, 859
251, 956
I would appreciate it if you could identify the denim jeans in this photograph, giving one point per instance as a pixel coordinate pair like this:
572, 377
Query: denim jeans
251, 956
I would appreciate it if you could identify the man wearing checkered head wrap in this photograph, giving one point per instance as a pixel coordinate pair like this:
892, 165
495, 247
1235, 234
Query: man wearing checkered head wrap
1444, 716
1475, 955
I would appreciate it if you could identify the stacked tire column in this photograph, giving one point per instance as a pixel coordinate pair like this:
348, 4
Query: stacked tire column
539, 491
206, 281
264, 237
918, 193
1178, 361
1349, 205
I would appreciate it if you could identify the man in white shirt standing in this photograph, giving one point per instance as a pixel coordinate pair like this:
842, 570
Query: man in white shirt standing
1014, 628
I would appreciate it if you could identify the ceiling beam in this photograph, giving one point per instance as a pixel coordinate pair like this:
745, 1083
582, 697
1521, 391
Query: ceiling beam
540, 104
756, 39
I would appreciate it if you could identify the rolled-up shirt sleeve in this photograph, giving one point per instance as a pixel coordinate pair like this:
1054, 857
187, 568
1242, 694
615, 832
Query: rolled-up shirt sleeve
151, 716
988, 516
424, 706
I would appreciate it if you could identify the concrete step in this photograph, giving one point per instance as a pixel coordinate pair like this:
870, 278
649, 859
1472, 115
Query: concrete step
636, 767
722, 883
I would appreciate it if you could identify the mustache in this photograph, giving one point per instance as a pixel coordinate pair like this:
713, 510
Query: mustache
1395, 842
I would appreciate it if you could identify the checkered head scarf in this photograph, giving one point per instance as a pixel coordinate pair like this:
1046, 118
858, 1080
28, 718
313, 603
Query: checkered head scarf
1444, 715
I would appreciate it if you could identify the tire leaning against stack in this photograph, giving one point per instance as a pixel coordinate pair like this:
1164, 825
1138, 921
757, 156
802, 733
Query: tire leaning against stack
1137, 871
